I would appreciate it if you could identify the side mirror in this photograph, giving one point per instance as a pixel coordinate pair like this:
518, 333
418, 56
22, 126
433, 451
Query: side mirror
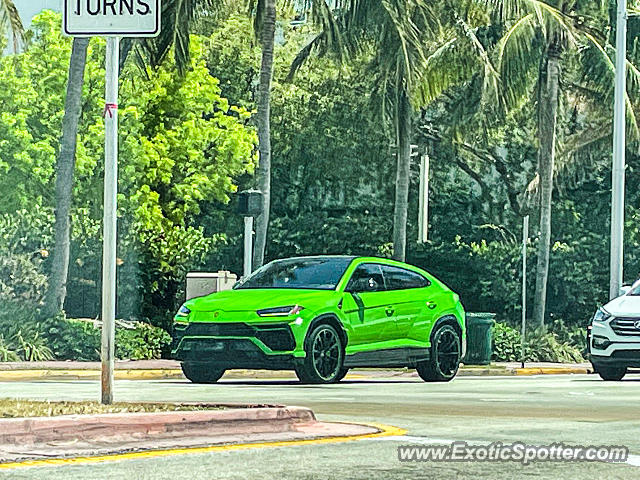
625, 289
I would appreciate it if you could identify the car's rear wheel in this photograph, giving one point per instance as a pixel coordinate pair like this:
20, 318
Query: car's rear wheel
444, 359
201, 372
342, 374
611, 373
324, 356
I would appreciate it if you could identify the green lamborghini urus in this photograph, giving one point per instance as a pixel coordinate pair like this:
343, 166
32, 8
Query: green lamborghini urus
321, 316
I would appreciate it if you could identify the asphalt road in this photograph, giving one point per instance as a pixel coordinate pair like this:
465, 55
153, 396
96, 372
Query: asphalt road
573, 409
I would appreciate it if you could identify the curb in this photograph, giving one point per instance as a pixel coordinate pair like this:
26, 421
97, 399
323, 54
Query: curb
55, 374
171, 374
553, 371
242, 421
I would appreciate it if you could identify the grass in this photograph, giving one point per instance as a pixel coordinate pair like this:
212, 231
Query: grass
10, 408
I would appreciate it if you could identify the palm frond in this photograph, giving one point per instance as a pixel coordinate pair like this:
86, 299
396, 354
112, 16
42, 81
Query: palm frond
9, 17
178, 19
608, 72
517, 54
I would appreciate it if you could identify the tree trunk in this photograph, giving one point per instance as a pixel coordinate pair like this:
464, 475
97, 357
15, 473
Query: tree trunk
264, 133
403, 136
547, 117
65, 165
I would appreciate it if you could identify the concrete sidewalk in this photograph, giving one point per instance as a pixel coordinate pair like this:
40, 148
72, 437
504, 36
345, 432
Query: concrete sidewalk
170, 369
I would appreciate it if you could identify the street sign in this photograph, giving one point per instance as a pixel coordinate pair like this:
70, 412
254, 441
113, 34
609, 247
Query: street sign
112, 19
121, 18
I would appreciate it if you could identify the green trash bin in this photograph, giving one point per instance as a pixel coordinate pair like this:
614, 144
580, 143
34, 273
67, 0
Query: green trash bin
479, 338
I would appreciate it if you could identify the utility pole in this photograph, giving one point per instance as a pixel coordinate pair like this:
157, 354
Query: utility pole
617, 175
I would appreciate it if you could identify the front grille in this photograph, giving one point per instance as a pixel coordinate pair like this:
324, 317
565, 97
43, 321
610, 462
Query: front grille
277, 337
625, 326
626, 354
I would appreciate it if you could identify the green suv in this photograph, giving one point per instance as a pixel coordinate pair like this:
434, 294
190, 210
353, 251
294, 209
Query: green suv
321, 316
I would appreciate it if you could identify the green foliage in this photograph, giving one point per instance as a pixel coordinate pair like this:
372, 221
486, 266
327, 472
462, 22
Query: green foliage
24, 240
507, 343
72, 339
7, 352
142, 342
78, 339
539, 347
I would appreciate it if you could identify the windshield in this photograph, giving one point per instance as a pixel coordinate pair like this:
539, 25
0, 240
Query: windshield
318, 273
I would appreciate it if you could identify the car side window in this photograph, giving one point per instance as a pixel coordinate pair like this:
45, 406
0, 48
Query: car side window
397, 278
367, 277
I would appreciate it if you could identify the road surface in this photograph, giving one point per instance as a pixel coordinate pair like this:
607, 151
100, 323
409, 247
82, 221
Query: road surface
541, 410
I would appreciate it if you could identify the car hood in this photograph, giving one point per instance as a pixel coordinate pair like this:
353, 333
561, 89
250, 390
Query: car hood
624, 306
243, 300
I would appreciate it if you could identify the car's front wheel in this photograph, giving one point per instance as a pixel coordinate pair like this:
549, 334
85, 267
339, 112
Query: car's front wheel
201, 372
611, 373
324, 356
444, 359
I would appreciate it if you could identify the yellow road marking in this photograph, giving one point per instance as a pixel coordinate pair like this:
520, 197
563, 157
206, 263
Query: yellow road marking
30, 375
385, 431
551, 370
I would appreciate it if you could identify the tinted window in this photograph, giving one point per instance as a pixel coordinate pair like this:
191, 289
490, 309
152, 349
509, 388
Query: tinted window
366, 278
399, 279
318, 273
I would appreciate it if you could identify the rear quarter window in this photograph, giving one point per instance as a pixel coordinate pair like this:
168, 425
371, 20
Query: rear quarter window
397, 278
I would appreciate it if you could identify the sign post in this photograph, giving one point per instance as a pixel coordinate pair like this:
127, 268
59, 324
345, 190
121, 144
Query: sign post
525, 241
113, 19
423, 203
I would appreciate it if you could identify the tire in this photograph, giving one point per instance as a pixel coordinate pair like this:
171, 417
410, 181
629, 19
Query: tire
201, 372
444, 359
324, 357
611, 374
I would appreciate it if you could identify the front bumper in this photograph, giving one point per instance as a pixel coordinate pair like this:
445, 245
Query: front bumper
608, 347
235, 345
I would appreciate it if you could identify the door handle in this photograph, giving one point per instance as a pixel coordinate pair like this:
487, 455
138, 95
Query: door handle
389, 311
431, 305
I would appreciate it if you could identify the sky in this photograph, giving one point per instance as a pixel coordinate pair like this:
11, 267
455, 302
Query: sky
29, 8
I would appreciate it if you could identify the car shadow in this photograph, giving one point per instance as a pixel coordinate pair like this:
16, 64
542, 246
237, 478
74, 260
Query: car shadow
294, 383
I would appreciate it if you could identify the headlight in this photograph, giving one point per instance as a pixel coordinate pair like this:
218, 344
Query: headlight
183, 312
601, 315
280, 311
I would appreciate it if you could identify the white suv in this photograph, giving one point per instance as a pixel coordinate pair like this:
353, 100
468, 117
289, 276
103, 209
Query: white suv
613, 338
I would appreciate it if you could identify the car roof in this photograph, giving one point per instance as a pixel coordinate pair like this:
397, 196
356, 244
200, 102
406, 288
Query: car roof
359, 258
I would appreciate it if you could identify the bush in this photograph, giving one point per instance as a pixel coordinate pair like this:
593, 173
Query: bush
75, 339
23, 341
539, 347
143, 342
72, 339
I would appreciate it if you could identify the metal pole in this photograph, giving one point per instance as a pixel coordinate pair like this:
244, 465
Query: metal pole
423, 209
525, 241
617, 190
248, 245
109, 221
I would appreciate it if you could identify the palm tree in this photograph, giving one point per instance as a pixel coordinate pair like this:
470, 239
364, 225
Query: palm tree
397, 32
537, 37
65, 165
10, 18
264, 28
